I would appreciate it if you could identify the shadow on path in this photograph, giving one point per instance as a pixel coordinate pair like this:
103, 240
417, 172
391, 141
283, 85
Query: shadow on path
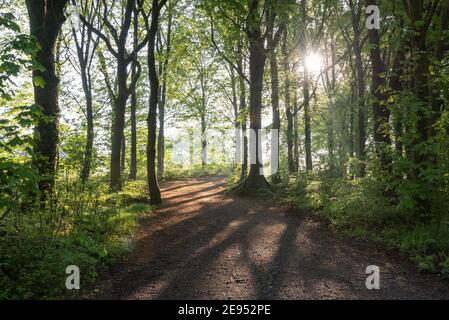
202, 244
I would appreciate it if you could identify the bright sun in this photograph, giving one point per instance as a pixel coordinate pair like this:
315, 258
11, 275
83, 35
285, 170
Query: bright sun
313, 62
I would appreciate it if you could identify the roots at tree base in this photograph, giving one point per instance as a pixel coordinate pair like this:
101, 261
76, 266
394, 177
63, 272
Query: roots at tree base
253, 185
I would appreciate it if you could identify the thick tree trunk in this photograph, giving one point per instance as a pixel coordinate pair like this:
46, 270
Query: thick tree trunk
381, 113
118, 126
257, 57
46, 19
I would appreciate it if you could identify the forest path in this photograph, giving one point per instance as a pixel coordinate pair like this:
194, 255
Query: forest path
203, 244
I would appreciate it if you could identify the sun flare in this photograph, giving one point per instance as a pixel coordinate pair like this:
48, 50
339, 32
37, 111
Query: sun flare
313, 62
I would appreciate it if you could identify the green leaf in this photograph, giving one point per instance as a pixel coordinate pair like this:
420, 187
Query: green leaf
39, 81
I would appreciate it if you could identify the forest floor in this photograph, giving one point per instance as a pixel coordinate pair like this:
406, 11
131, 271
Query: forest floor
204, 244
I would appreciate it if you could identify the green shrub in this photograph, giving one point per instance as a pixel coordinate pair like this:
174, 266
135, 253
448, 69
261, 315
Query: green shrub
362, 209
89, 229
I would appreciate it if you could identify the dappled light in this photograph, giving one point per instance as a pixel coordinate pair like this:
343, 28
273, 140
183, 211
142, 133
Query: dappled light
231, 150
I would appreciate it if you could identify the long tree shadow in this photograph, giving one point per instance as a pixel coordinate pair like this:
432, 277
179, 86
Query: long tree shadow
173, 246
166, 186
190, 194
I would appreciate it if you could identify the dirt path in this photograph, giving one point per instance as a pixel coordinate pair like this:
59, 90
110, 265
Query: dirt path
202, 244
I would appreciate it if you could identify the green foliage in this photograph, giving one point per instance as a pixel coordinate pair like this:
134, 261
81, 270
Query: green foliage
177, 172
361, 209
84, 227
17, 53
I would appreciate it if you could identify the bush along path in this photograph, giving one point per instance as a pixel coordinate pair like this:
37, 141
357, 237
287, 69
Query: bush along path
203, 244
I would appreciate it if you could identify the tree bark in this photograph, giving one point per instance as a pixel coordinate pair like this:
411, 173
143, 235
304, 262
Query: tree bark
288, 110
243, 118
381, 113
46, 19
295, 131
276, 126
360, 76
163, 98
155, 193
123, 154
307, 122
257, 58
133, 105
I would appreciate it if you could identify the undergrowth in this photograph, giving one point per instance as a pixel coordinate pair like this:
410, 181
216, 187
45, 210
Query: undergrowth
360, 209
87, 227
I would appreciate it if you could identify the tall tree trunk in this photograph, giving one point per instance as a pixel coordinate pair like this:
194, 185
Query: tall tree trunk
163, 98
133, 142
295, 132
161, 133
330, 138
119, 125
352, 126
243, 119
235, 107
356, 11
307, 122
276, 126
288, 110
85, 48
274, 77
396, 87
133, 105
381, 113
155, 193
257, 57
46, 19
87, 161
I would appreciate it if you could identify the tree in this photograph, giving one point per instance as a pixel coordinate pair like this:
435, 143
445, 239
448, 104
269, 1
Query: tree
86, 44
155, 193
163, 68
118, 48
381, 113
273, 41
356, 14
133, 102
46, 19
